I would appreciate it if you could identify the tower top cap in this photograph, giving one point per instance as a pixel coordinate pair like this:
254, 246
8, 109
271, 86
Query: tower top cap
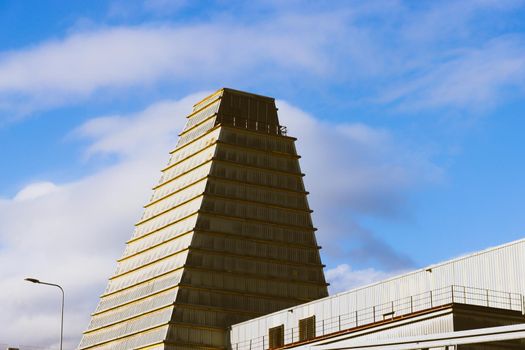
225, 90
240, 105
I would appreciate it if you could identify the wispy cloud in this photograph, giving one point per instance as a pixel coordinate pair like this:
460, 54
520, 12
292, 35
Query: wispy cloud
363, 155
116, 135
61, 71
418, 57
355, 170
474, 78
72, 233
343, 277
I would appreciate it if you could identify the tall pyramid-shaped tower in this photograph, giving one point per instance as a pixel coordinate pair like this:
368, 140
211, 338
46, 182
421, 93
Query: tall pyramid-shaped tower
227, 235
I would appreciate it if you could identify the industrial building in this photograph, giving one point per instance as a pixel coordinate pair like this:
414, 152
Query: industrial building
480, 290
225, 257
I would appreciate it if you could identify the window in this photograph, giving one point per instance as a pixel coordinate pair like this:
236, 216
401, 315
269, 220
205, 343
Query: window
276, 335
307, 328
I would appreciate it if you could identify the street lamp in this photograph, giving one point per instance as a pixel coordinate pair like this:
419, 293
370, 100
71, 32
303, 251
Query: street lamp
34, 280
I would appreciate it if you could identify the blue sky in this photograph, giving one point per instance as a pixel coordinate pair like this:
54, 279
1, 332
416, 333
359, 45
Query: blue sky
409, 116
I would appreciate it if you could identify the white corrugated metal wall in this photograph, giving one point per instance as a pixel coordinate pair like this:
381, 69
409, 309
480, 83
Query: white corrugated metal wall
501, 269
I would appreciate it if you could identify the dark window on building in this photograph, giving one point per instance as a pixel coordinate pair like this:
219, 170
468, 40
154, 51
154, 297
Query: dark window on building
307, 328
276, 335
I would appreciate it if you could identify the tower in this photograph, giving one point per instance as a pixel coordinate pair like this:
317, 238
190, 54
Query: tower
227, 235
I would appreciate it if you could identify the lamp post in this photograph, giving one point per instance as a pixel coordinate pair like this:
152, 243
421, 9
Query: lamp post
34, 280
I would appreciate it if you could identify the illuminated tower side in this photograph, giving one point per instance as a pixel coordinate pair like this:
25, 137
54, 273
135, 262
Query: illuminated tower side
227, 235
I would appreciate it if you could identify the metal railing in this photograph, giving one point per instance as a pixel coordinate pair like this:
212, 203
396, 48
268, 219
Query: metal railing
393, 309
272, 129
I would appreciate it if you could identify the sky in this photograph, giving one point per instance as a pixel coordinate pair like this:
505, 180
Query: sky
408, 114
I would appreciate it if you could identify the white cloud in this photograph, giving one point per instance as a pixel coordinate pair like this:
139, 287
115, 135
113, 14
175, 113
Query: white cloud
354, 170
343, 277
474, 78
116, 135
362, 155
35, 190
72, 233
395, 53
77, 66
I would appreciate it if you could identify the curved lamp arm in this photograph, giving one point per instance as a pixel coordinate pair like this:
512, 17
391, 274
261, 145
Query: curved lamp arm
34, 280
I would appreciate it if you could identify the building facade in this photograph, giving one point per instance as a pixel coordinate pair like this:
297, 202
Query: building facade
227, 235
479, 290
